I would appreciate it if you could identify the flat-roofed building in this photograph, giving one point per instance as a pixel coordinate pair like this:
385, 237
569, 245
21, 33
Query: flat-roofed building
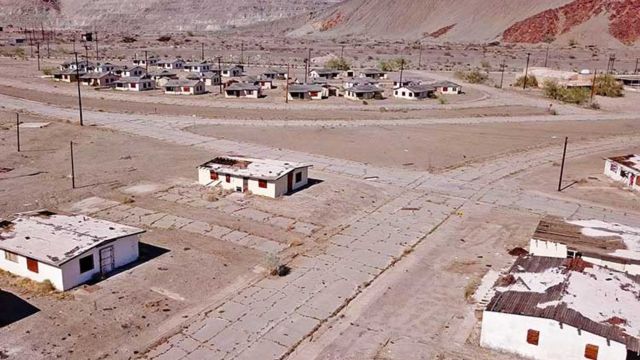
65, 250
624, 169
264, 177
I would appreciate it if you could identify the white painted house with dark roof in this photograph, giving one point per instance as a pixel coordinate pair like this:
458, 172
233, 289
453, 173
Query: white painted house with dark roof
65, 250
264, 177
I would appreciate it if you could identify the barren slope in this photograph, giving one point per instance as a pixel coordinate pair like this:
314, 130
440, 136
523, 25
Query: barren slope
595, 21
152, 15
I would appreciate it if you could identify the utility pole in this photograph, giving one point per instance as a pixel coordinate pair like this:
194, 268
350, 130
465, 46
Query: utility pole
220, 73
401, 73
526, 72
242, 52
97, 52
48, 41
73, 169
593, 84
202, 52
564, 155
79, 94
146, 62
286, 93
18, 129
30, 43
86, 54
38, 54
546, 57
635, 71
420, 56
503, 65
342, 53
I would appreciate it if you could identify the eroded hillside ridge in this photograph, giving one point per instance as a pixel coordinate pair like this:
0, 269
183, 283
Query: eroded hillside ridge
152, 15
623, 17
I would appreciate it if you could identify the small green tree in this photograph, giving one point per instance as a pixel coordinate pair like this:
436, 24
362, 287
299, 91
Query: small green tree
338, 64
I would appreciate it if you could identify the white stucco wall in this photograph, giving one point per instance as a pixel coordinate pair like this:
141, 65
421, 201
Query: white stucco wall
616, 175
45, 271
125, 251
68, 275
547, 248
508, 332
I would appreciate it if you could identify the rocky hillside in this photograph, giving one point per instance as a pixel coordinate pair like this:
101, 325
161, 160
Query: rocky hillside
153, 15
600, 22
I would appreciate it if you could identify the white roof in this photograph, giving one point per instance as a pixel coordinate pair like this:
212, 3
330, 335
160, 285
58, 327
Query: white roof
56, 239
263, 169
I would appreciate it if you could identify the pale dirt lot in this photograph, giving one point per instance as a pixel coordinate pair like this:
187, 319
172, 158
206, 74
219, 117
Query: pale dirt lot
142, 303
429, 147
585, 181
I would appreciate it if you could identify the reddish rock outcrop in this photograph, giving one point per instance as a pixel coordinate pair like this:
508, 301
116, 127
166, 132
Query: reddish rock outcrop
623, 15
436, 34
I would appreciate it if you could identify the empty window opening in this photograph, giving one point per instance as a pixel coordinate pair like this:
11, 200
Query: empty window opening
86, 264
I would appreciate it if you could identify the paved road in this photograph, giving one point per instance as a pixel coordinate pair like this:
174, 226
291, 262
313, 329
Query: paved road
273, 317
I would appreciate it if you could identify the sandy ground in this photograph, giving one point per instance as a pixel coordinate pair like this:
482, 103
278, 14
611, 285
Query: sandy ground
432, 147
584, 180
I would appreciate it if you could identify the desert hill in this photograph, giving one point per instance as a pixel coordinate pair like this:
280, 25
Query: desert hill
152, 15
608, 22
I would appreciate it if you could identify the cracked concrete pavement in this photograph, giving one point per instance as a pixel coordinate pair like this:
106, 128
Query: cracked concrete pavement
273, 317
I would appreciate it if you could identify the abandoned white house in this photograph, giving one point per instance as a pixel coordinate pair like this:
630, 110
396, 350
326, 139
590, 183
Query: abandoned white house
275, 74
151, 60
102, 79
65, 250
82, 65
351, 82
67, 75
243, 90
184, 87
602, 243
374, 74
198, 67
232, 71
177, 64
264, 177
307, 92
363, 92
324, 73
135, 71
447, 87
548, 308
211, 78
414, 92
624, 169
104, 67
162, 76
135, 84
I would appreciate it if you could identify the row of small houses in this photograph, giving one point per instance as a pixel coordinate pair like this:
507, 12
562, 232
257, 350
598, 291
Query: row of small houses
201, 74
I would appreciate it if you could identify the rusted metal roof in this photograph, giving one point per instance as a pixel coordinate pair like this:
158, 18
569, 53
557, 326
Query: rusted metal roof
631, 161
550, 304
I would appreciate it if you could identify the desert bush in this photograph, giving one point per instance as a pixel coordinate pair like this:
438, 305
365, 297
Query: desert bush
338, 64
164, 38
569, 95
474, 76
394, 64
47, 70
129, 39
485, 64
531, 81
607, 85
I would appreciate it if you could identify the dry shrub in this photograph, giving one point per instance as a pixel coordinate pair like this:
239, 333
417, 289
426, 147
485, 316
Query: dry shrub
474, 76
607, 85
532, 81
554, 91
471, 288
